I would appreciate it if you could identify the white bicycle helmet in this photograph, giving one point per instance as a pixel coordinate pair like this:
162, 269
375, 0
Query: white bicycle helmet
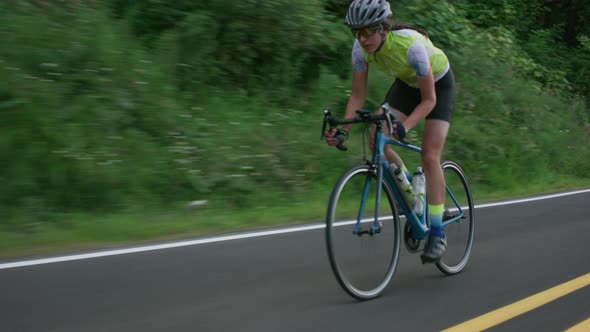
364, 13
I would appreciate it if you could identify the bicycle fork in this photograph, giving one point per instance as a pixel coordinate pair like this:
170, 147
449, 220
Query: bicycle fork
376, 225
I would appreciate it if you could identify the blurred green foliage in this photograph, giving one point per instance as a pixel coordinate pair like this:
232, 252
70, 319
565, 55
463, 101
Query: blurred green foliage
121, 105
252, 45
546, 35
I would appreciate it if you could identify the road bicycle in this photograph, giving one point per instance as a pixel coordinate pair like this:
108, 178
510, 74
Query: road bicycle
363, 231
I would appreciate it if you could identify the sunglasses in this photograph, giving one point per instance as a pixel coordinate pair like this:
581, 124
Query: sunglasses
364, 32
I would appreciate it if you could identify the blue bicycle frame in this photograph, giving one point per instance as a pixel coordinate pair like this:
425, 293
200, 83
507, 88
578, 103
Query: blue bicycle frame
419, 224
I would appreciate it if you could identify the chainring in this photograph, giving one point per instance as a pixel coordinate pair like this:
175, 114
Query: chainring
412, 244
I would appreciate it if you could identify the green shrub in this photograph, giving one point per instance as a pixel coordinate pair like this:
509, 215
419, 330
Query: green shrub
102, 109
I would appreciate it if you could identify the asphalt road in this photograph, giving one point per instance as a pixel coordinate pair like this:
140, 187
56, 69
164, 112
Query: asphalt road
284, 283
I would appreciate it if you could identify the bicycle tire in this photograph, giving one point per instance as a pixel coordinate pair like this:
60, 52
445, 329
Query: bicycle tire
341, 255
460, 233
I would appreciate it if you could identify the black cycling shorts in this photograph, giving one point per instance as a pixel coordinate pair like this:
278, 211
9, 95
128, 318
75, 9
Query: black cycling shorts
405, 98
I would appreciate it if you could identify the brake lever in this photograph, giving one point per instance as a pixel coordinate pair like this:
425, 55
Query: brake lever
389, 116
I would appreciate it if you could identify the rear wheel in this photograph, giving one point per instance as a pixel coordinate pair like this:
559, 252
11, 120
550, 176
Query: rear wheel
458, 220
363, 256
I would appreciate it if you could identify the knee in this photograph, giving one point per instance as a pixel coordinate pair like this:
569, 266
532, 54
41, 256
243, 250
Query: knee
430, 159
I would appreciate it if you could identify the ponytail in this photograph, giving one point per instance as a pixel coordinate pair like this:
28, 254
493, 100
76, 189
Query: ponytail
396, 25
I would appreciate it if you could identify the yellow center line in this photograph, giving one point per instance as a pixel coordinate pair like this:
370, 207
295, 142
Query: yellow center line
510, 311
582, 327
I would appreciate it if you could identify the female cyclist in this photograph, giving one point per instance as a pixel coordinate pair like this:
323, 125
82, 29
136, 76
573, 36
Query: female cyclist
424, 88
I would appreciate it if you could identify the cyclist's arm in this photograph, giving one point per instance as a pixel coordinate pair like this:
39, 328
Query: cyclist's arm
427, 103
420, 61
360, 75
358, 95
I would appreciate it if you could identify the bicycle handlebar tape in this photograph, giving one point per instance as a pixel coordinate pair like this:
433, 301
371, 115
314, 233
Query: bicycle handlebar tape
341, 136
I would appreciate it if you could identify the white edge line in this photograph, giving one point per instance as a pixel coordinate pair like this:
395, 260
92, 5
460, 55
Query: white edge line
98, 254
532, 199
156, 247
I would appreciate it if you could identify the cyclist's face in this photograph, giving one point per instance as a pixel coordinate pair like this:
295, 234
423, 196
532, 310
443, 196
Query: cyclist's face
369, 38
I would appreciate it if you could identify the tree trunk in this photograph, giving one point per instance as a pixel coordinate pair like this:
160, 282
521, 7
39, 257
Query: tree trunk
572, 9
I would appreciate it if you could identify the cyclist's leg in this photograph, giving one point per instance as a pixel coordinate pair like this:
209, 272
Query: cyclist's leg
435, 134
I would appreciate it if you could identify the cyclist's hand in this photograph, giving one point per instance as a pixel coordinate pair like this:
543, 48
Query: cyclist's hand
399, 131
335, 136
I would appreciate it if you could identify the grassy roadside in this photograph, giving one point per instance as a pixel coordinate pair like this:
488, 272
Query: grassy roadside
71, 233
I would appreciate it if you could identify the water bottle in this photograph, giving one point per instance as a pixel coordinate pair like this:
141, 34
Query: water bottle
404, 185
419, 187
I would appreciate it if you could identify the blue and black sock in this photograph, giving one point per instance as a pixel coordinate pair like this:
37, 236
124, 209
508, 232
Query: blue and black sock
435, 212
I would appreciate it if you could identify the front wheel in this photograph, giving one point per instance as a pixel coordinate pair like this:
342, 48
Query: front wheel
363, 255
458, 220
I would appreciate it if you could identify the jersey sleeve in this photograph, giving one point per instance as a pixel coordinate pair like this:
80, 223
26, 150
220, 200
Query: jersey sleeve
359, 63
419, 58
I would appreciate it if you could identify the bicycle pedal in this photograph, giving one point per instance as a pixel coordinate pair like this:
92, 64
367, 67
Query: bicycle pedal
450, 215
